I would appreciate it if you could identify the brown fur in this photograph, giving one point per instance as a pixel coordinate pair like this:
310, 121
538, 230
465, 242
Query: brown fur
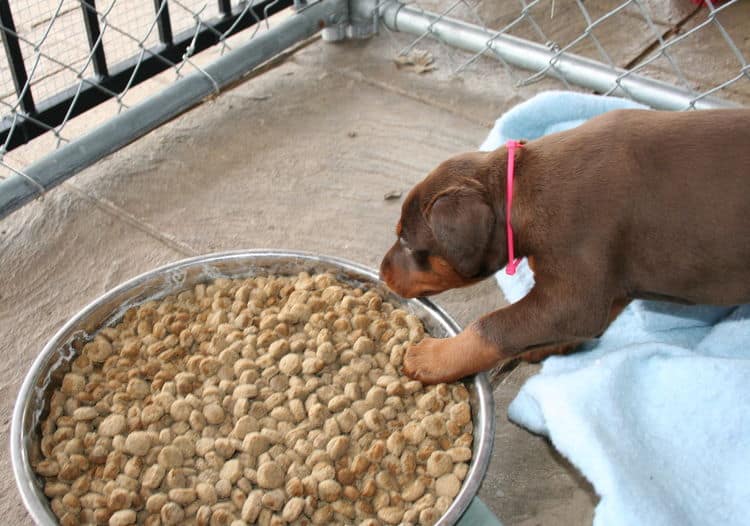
632, 204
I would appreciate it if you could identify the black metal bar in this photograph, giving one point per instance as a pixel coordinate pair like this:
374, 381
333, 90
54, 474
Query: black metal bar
163, 22
53, 110
225, 6
15, 58
91, 21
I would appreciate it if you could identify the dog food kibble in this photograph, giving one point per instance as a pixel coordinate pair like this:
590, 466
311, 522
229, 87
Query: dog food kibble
270, 400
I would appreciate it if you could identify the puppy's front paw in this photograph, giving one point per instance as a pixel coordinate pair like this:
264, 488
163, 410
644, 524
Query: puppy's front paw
429, 361
433, 361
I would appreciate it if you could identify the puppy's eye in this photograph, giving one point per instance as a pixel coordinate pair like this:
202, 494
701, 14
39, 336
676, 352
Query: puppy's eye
421, 256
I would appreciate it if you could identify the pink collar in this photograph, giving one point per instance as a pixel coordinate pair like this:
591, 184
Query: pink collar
510, 268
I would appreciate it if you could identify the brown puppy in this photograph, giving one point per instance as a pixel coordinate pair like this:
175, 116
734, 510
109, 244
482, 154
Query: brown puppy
632, 204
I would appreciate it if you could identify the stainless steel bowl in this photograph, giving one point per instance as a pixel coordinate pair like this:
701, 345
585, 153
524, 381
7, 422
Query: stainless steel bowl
49, 367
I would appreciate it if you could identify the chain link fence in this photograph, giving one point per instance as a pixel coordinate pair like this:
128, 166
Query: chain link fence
671, 54
65, 57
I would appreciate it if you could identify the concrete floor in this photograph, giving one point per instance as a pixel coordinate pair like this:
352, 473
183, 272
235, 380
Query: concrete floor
300, 157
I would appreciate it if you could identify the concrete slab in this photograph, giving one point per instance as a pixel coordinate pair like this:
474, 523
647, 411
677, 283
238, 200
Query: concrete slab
56, 256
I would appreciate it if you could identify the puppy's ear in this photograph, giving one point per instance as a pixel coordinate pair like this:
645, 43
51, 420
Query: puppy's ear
462, 224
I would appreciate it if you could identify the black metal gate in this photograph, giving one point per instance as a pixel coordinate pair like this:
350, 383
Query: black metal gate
34, 117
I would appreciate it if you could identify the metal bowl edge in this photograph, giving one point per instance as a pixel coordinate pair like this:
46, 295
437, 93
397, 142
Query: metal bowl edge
31, 493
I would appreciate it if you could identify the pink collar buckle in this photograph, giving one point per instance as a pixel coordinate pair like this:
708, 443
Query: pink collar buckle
512, 265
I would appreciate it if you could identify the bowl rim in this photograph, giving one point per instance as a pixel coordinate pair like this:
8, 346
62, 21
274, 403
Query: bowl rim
483, 432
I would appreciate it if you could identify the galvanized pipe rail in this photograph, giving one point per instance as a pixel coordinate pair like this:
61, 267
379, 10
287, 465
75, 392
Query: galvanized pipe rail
531, 56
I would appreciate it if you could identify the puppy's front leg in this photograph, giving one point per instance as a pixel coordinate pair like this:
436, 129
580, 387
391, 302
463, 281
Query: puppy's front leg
546, 316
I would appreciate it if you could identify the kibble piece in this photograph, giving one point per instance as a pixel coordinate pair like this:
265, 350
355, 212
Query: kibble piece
329, 490
112, 425
251, 508
214, 414
439, 464
391, 514
460, 470
151, 414
326, 353
447, 485
293, 509
137, 388
122, 518
414, 433
172, 513
99, 350
461, 413
180, 410
206, 493
434, 425
223, 488
396, 443
375, 397
459, 454
337, 447
231, 471
138, 443
290, 364
245, 391
85, 414
182, 496
428, 516
170, 457
442, 504
374, 420
413, 491
155, 502
273, 500
270, 475
119, 499
72, 384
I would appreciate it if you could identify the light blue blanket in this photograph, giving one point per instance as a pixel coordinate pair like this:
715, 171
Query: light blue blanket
656, 414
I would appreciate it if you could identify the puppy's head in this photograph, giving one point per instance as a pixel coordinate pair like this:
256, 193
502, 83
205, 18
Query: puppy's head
448, 231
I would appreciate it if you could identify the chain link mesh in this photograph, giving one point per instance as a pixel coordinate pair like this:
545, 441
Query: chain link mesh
698, 46
58, 54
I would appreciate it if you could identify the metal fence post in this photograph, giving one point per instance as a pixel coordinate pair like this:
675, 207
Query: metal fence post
15, 58
93, 33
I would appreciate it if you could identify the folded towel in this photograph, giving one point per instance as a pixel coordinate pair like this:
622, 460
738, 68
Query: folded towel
656, 412
478, 514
